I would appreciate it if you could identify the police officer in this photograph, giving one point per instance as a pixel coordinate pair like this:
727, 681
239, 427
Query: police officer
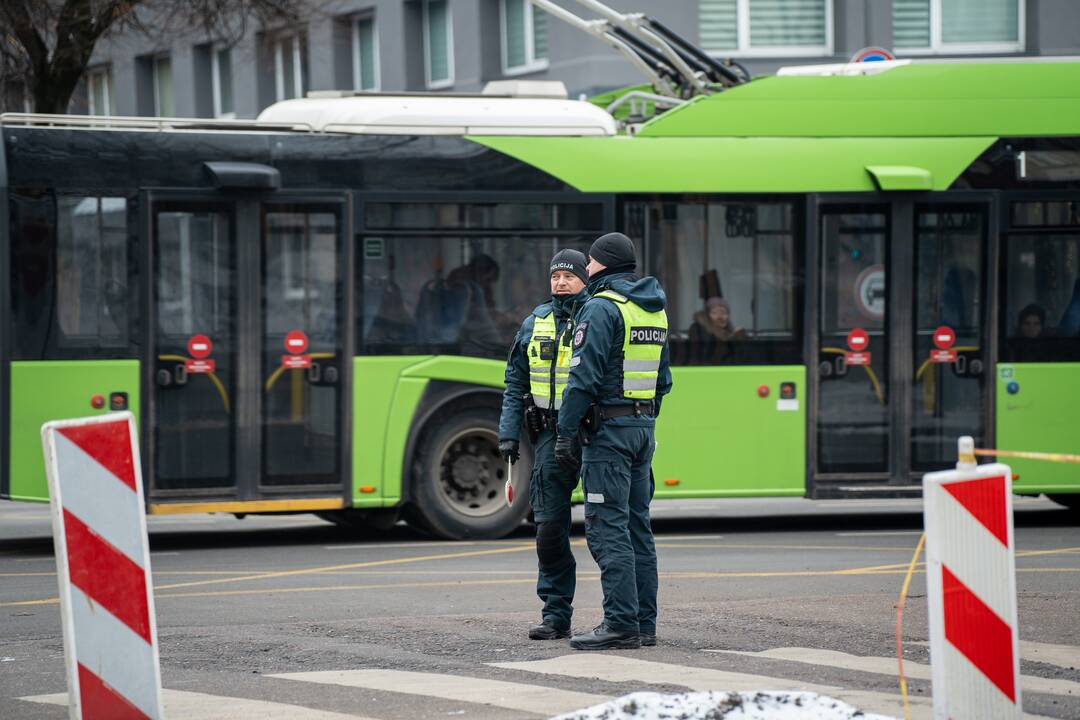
536, 372
618, 375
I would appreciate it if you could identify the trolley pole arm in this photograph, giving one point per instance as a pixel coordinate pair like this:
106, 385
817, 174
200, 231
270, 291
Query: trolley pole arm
600, 29
633, 24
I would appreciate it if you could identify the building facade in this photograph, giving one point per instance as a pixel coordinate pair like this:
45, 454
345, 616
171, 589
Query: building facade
459, 45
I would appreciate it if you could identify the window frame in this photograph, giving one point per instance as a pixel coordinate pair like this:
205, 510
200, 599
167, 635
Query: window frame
277, 42
100, 73
215, 81
746, 50
532, 64
426, 22
155, 62
357, 60
939, 47
790, 350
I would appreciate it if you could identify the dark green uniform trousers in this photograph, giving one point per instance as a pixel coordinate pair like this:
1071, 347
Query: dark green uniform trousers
618, 489
549, 494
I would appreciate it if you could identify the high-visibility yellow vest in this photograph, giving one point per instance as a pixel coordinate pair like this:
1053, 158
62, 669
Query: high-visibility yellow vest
549, 362
643, 342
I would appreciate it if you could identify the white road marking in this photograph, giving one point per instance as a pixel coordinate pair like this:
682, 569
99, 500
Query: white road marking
615, 668
497, 693
887, 666
1065, 656
200, 706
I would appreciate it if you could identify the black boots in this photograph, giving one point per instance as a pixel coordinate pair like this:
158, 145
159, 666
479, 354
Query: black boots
544, 631
603, 638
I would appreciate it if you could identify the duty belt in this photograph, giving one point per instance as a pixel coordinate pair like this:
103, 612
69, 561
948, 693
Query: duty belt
639, 408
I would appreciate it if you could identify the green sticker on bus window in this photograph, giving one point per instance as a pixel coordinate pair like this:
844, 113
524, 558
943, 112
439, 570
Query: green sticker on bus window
374, 248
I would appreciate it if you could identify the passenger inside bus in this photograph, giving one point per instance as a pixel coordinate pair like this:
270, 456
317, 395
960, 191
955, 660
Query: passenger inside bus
460, 308
712, 332
1031, 322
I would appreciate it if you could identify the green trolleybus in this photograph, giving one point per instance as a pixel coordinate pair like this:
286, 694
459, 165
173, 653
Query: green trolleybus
310, 312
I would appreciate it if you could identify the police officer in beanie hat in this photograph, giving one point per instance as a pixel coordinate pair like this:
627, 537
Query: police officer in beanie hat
535, 377
618, 376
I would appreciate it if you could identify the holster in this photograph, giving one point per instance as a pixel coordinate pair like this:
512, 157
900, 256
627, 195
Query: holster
534, 420
590, 424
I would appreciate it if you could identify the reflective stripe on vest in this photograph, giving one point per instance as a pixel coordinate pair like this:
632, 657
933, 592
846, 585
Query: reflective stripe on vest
542, 364
643, 342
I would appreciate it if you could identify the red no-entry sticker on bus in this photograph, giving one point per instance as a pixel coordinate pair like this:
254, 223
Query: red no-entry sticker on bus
199, 347
296, 342
944, 337
858, 340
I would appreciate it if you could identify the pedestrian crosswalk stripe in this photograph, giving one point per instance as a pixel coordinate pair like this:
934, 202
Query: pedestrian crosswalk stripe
1064, 656
536, 699
623, 669
200, 706
888, 666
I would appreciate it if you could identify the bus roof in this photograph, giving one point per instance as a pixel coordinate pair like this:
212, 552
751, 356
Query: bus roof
911, 127
915, 100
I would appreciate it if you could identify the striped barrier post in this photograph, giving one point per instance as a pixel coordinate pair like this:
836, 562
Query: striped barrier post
971, 590
103, 567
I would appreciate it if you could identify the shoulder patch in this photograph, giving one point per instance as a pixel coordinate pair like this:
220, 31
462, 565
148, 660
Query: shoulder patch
580, 333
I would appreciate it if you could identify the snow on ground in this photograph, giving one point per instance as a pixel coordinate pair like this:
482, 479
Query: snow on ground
723, 706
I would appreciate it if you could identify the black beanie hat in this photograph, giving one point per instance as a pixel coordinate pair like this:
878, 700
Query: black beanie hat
571, 261
613, 250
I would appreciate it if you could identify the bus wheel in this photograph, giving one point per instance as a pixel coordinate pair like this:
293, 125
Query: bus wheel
459, 478
1070, 501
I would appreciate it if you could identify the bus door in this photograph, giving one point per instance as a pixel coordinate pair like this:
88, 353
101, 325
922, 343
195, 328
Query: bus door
248, 371
901, 342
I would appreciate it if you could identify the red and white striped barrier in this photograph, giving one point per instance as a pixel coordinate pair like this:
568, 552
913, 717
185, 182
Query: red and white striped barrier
971, 590
103, 567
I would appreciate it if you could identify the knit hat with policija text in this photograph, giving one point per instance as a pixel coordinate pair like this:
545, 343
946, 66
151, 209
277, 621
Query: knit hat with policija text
573, 261
613, 250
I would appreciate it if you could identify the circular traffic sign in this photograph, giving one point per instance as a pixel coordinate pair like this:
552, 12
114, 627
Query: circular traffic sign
296, 342
858, 340
199, 347
944, 337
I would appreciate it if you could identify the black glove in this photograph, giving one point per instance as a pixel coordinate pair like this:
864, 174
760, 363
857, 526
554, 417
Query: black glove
567, 453
509, 450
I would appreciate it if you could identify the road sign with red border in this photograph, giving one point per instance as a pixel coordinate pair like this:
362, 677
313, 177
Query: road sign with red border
944, 337
296, 342
199, 347
858, 340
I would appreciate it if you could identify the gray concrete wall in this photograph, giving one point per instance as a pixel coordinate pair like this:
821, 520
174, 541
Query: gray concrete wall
583, 63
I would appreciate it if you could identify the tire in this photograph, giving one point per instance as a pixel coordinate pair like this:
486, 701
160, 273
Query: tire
1070, 501
458, 477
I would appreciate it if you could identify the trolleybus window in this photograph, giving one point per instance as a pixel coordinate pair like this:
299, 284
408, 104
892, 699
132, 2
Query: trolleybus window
459, 278
731, 277
1041, 312
71, 277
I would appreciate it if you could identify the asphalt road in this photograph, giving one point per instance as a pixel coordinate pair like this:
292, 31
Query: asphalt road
755, 594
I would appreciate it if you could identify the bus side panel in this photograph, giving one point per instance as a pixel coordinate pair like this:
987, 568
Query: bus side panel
54, 390
378, 402
1042, 416
719, 438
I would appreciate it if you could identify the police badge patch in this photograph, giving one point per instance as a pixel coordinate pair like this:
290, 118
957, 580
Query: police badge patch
579, 334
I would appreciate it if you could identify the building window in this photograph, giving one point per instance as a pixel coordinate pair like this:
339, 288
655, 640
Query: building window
290, 66
958, 26
524, 37
100, 100
365, 54
767, 28
438, 44
163, 90
222, 82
